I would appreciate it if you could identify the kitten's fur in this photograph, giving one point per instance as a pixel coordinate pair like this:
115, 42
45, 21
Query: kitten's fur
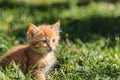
38, 55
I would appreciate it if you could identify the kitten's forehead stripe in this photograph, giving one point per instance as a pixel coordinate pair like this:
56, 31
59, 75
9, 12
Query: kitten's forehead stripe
46, 31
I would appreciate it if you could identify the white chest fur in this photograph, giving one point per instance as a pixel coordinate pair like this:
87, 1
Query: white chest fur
50, 58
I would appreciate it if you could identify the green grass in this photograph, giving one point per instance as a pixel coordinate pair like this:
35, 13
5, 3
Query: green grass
88, 61
95, 60
73, 17
30, 13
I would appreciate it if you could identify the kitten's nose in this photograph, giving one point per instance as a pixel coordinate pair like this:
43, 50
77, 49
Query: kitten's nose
50, 47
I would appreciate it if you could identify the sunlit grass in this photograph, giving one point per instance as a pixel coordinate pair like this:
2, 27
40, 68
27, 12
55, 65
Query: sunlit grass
38, 2
94, 60
23, 15
86, 61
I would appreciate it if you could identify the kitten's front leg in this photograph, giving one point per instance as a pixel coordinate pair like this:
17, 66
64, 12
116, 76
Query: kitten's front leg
39, 75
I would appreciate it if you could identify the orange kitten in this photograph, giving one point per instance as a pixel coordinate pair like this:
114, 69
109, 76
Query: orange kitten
38, 55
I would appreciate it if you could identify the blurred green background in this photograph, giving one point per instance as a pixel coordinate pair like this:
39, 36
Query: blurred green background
90, 36
84, 19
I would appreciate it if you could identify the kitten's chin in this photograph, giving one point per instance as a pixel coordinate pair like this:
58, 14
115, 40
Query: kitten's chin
44, 51
50, 50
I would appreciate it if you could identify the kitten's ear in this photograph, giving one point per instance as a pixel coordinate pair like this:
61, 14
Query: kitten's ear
32, 30
56, 27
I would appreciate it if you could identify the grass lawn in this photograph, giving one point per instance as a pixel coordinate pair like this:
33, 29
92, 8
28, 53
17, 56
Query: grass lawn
96, 59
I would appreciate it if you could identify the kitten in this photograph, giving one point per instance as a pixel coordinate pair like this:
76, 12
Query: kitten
38, 55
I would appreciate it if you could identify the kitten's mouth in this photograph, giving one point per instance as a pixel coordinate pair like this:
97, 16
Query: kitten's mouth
50, 50
44, 50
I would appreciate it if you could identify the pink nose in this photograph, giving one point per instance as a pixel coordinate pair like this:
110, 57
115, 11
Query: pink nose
50, 47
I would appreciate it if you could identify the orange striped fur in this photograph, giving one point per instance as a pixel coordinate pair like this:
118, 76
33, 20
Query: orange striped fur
38, 54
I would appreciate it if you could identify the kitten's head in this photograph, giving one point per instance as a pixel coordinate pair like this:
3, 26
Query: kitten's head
43, 38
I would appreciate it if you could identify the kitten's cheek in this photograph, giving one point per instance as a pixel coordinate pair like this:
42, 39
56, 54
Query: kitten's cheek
54, 48
55, 44
44, 45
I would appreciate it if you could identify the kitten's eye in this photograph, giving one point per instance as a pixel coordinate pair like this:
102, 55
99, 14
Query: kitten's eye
53, 40
44, 41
